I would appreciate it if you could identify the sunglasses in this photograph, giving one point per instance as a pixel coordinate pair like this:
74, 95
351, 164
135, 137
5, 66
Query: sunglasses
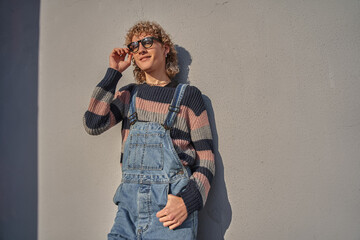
146, 42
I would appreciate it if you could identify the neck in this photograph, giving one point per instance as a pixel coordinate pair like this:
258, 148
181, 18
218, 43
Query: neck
157, 79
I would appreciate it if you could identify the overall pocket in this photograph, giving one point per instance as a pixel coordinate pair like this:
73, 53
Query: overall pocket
146, 151
146, 156
159, 196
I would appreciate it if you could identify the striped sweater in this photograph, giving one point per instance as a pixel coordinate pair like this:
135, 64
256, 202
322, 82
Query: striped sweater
191, 134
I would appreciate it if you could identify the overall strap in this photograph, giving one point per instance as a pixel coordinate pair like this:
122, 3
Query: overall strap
132, 109
174, 107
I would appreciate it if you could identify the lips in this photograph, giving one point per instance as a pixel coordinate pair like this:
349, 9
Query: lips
144, 58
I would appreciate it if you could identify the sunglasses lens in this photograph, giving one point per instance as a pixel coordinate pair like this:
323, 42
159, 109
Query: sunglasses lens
133, 46
147, 42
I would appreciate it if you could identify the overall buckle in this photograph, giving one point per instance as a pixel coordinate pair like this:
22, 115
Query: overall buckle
174, 109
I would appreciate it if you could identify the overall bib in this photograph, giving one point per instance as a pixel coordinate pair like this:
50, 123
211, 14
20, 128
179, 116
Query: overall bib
151, 170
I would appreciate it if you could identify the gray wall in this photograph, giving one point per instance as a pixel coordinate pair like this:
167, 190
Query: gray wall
19, 38
281, 83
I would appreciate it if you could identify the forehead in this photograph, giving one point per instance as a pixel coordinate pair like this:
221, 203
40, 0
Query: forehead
140, 36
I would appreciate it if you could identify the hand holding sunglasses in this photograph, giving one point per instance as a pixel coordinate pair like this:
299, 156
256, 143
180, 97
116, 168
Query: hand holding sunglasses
117, 59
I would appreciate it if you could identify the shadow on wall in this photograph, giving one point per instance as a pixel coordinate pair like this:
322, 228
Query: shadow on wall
184, 60
215, 217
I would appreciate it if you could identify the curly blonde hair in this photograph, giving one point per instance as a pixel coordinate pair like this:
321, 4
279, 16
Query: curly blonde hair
155, 30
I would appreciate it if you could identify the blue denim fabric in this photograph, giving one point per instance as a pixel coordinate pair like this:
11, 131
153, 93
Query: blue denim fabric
151, 170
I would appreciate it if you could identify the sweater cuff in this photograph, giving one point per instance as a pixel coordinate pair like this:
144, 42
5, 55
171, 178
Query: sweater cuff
110, 79
192, 197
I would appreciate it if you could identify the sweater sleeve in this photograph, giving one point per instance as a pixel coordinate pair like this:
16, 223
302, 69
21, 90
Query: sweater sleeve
203, 171
106, 108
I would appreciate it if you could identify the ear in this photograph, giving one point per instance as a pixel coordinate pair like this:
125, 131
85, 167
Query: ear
167, 49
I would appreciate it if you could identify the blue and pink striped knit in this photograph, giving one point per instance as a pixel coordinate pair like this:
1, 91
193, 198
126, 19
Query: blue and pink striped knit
191, 133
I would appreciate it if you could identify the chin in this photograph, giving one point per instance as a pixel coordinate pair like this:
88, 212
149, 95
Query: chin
143, 66
146, 67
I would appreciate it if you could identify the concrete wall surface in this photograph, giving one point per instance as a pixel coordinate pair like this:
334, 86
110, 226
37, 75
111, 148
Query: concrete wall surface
281, 82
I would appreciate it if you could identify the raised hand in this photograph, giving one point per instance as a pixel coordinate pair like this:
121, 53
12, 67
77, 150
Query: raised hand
117, 59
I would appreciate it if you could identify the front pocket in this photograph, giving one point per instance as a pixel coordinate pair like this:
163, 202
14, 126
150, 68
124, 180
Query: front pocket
159, 196
147, 156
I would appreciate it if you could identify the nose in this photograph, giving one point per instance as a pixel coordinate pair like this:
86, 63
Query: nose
142, 49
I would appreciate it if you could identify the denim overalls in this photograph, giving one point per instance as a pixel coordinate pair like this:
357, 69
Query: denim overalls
151, 170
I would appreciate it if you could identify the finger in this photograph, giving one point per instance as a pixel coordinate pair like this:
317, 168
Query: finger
115, 50
175, 225
166, 218
174, 214
169, 223
128, 51
162, 213
129, 58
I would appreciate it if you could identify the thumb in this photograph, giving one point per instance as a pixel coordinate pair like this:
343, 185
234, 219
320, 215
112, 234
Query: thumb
128, 60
